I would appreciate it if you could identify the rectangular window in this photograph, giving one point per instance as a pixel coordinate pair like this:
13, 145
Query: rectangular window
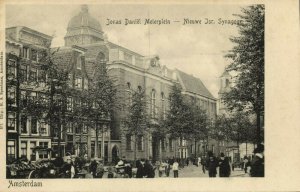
25, 53
78, 129
70, 80
43, 128
85, 128
23, 97
69, 103
78, 82
69, 128
11, 121
33, 75
171, 144
23, 148
128, 142
43, 98
23, 124
33, 125
86, 84
93, 132
23, 73
34, 55
78, 63
41, 76
163, 147
77, 103
140, 142
43, 154
11, 69
33, 96
11, 95
32, 153
11, 149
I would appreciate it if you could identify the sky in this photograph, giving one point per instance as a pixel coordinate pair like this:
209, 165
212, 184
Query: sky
195, 49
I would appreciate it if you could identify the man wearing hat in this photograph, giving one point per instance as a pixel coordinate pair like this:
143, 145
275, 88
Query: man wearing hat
258, 165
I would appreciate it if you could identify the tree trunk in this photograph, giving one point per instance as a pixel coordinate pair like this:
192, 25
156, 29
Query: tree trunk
195, 148
59, 133
102, 145
258, 139
135, 137
96, 142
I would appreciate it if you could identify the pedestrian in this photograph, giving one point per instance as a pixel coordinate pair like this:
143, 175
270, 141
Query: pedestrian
167, 168
212, 164
111, 173
187, 161
198, 161
140, 169
246, 163
68, 169
93, 168
258, 165
161, 168
224, 170
149, 170
100, 170
128, 169
203, 163
175, 168
58, 161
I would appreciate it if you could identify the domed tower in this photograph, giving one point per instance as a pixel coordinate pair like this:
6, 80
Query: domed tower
225, 87
83, 29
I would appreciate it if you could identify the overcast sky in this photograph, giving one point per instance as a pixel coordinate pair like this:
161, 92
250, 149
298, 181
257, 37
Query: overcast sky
195, 49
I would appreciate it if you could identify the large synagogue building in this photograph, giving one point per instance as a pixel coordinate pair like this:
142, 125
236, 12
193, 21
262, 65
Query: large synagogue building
86, 47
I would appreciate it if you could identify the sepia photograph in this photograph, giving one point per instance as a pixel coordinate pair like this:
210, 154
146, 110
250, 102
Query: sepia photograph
138, 92
83, 101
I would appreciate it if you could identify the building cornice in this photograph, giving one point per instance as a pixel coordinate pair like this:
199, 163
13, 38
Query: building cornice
139, 71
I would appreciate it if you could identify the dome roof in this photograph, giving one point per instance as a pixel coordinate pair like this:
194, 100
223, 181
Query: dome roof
83, 19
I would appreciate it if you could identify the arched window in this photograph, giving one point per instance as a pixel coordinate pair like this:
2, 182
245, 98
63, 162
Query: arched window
101, 61
139, 89
129, 93
163, 105
78, 63
227, 82
153, 100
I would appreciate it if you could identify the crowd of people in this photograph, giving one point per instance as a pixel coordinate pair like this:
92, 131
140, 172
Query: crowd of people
212, 163
144, 168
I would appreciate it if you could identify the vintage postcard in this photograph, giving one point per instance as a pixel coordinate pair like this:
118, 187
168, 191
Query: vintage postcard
149, 96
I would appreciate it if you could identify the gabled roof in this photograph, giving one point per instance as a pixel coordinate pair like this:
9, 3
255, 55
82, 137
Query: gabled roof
193, 84
62, 56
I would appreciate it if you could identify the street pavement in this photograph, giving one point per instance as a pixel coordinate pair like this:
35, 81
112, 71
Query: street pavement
194, 171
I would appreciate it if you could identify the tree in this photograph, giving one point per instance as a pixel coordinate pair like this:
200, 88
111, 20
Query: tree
57, 90
137, 119
175, 117
103, 99
248, 63
182, 120
222, 129
199, 123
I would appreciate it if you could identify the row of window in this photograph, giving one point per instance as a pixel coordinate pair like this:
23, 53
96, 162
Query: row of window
33, 74
79, 82
32, 54
165, 143
33, 126
28, 125
25, 147
153, 107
